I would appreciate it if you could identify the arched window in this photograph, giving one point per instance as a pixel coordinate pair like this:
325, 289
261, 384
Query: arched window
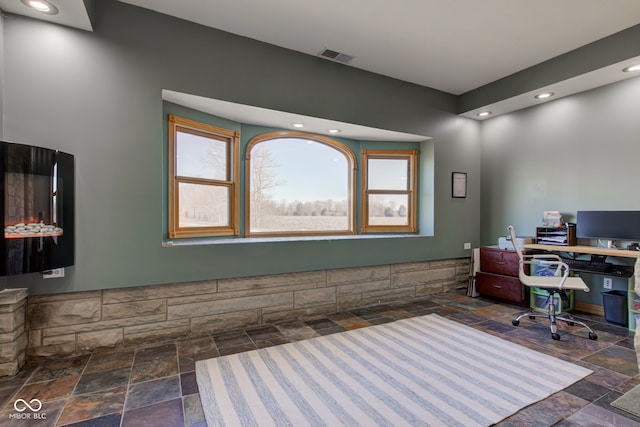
298, 183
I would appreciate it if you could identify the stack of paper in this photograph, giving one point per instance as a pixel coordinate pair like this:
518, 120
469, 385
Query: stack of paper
553, 240
551, 219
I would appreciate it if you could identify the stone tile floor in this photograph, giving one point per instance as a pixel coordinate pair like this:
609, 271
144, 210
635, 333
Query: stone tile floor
155, 385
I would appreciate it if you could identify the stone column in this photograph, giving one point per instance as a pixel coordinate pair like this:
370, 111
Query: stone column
13, 336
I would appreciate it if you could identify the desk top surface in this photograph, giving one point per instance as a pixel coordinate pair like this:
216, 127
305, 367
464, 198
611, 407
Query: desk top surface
584, 250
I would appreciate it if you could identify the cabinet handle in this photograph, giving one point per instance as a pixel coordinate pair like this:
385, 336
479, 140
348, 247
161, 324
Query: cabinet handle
497, 287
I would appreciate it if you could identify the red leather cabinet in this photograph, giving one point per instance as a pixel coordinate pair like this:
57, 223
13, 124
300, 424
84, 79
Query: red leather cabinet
498, 276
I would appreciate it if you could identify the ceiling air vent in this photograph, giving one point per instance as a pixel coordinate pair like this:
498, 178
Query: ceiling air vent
336, 56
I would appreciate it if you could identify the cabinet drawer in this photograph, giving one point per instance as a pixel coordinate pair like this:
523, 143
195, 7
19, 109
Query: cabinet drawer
503, 287
499, 261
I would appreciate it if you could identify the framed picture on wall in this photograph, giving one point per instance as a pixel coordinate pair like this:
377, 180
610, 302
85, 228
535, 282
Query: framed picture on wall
458, 184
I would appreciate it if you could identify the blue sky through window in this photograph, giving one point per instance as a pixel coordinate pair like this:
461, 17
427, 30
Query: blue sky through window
307, 170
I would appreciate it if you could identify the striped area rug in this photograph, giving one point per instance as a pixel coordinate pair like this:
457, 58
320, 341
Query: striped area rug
414, 372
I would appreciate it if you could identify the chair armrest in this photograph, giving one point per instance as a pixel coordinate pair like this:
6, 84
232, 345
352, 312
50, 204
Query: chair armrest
543, 256
561, 269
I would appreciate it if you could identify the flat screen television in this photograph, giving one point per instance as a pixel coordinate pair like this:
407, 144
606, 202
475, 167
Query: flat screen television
608, 225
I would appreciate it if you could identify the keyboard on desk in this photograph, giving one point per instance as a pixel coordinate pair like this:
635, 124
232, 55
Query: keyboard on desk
599, 267
588, 265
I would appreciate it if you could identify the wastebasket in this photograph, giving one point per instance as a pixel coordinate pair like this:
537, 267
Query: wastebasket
615, 307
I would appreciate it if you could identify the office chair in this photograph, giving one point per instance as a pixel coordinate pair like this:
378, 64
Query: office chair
555, 285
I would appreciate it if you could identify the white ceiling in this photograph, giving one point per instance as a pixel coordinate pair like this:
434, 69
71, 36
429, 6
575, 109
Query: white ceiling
72, 13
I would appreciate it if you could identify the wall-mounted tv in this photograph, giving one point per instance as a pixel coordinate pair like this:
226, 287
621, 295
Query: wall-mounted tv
37, 206
609, 225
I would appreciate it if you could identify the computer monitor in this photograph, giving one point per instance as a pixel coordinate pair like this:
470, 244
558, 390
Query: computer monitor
608, 225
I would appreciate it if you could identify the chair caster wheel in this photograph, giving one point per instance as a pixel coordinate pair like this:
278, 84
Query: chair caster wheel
570, 323
532, 317
515, 322
593, 336
555, 336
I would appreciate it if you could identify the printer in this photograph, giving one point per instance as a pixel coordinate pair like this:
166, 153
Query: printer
504, 242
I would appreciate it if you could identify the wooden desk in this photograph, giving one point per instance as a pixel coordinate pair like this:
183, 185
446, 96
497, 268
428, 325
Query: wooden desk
580, 249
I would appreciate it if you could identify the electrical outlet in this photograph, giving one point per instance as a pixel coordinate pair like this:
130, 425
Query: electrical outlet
607, 283
467, 245
52, 274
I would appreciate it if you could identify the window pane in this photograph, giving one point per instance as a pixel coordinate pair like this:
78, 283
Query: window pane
203, 205
387, 174
298, 185
300, 223
200, 157
388, 209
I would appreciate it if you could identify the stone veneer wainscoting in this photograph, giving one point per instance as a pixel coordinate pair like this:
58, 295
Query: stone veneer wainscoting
64, 324
13, 335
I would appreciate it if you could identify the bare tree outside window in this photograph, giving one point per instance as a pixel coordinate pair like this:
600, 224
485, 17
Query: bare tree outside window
203, 206
299, 186
264, 170
203, 178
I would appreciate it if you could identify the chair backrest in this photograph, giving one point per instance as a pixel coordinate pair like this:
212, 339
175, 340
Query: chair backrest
514, 241
560, 270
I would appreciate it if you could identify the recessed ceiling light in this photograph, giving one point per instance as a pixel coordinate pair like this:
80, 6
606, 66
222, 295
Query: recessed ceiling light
297, 125
334, 130
630, 68
544, 95
484, 113
42, 6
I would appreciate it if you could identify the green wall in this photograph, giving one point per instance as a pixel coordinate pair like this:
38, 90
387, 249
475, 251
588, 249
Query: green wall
575, 153
97, 95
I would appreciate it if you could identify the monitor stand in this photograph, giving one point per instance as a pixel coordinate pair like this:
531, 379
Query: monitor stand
611, 244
